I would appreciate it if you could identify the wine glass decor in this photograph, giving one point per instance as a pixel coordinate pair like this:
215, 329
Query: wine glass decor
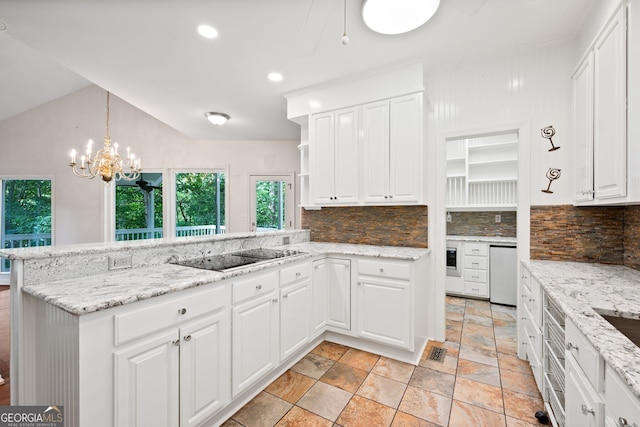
548, 133
552, 175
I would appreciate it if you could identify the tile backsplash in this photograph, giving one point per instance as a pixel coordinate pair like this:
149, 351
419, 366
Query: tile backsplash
482, 224
369, 225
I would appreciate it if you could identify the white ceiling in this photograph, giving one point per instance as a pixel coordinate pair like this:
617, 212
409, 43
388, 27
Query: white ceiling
148, 52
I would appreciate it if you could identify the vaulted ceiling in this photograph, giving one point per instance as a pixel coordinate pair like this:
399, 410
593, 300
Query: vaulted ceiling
148, 52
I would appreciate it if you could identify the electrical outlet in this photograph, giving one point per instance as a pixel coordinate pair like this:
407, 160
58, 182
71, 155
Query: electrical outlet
448, 217
119, 262
498, 218
286, 240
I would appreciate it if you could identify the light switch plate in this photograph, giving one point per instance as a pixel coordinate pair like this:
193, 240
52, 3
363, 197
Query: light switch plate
117, 262
498, 218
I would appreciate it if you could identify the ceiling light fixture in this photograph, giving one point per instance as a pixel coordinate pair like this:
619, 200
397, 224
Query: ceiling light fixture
106, 162
207, 31
345, 37
275, 77
397, 16
217, 118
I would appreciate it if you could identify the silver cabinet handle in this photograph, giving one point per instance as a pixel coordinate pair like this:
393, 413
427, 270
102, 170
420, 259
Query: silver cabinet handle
182, 311
187, 337
258, 287
285, 296
586, 410
275, 300
382, 270
571, 346
297, 274
622, 422
176, 343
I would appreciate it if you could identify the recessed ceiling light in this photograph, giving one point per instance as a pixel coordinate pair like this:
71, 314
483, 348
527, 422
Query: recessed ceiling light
207, 31
397, 16
275, 77
217, 118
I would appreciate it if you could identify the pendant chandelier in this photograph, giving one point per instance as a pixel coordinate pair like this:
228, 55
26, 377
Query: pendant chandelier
106, 162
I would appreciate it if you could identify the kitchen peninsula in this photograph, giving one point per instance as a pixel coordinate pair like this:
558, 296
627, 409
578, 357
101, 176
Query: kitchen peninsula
121, 334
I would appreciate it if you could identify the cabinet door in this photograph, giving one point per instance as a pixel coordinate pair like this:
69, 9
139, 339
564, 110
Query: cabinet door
339, 284
295, 303
610, 142
205, 365
385, 312
405, 142
322, 158
346, 156
622, 407
375, 151
319, 296
146, 383
255, 341
583, 130
583, 405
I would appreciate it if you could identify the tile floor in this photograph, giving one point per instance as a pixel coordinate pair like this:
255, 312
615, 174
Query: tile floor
480, 383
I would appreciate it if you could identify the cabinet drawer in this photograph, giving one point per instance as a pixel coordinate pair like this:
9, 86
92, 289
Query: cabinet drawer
620, 403
585, 354
257, 285
478, 276
475, 262
137, 323
476, 289
295, 273
481, 249
395, 270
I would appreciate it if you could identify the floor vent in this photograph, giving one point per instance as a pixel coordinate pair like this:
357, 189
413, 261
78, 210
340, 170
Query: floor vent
437, 354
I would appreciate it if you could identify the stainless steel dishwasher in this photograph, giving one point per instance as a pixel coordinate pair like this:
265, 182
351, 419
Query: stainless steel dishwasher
503, 274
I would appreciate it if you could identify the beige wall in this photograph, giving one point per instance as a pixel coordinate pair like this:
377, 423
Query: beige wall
38, 143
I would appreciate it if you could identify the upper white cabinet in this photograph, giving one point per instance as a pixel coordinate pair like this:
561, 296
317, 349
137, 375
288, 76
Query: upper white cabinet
600, 118
334, 156
392, 147
367, 154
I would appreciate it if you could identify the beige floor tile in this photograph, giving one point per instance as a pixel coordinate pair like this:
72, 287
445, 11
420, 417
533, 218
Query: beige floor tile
498, 322
231, 423
290, 386
512, 363
360, 359
264, 410
478, 320
426, 405
405, 420
393, 369
465, 415
361, 412
435, 381
477, 303
474, 329
453, 348
520, 383
507, 346
455, 301
480, 372
325, 400
298, 417
488, 357
479, 394
454, 330
521, 406
449, 366
504, 332
345, 377
313, 366
479, 341
480, 311
330, 350
382, 390
514, 422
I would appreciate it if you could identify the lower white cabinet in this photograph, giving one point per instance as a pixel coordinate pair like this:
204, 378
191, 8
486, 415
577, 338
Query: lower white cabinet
583, 405
295, 305
176, 377
255, 329
332, 288
622, 407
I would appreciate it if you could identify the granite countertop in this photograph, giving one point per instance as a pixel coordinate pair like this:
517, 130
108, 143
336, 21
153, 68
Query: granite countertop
582, 291
488, 239
94, 293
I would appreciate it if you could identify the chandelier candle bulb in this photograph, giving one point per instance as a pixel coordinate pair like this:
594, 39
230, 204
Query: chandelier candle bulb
73, 156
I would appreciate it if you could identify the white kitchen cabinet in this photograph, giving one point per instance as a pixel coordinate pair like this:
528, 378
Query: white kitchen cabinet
255, 330
622, 407
600, 117
385, 303
583, 405
339, 290
180, 373
476, 276
319, 296
392, 150
295, 309
334, 156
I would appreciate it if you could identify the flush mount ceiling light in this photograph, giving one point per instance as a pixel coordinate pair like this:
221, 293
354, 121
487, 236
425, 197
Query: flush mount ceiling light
275, 77
207, 31
397, 16
217, 118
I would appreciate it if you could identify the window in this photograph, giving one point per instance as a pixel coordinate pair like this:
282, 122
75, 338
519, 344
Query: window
139, 208
25, 214
271, 202
200, 203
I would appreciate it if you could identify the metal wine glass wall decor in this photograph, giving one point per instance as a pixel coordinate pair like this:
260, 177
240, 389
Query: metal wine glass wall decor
553, 173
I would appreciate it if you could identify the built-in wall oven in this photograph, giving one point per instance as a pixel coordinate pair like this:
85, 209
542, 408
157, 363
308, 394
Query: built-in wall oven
454, 258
